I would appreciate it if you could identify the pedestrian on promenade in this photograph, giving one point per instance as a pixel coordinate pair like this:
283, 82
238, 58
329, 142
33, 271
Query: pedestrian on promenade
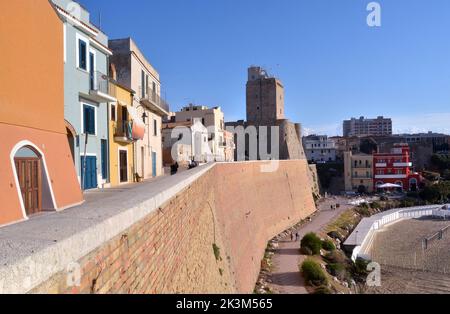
297, 236
292, 236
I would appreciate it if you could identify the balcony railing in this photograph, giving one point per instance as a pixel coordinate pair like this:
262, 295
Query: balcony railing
100, 87
368, 166
152, 97
123, 132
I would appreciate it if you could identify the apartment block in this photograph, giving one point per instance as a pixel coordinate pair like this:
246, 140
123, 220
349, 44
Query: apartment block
213, 120
185, 141
319, 148
395, 167
135, 72
367, 127
358, 172
86, 94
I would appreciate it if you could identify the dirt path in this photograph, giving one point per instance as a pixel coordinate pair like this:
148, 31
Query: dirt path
286, 278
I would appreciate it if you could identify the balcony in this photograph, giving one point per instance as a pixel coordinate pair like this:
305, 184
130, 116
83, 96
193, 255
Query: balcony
402, 164
154, 102
361, 176
368, 166
381, 165
123, 132
100, 89
391, 176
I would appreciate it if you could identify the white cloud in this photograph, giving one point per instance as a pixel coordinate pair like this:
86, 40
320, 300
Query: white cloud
436, 122
331, 129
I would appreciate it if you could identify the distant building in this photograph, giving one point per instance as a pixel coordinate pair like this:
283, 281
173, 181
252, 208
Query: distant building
213, 120
366, 127
230, 146
439, 141
395, 167
358, 172
265, 98
319, 148
183, 150
265, 108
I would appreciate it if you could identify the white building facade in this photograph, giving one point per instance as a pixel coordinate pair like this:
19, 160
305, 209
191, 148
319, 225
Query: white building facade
319, 148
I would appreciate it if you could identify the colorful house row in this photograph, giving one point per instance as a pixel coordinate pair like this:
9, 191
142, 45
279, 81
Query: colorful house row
90, 116
372, 172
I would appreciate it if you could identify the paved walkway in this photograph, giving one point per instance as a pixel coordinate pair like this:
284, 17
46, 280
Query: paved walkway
286, 278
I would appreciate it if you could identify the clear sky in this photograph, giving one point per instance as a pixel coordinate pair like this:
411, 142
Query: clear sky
333, 66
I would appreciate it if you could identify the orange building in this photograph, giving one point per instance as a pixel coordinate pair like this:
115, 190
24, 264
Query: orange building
36, 166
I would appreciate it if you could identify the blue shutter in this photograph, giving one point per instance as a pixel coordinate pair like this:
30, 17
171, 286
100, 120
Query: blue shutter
91, 120
82, 54
86, 119
104, 149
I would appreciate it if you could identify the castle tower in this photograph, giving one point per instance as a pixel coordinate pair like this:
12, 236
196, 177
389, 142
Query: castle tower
265, 98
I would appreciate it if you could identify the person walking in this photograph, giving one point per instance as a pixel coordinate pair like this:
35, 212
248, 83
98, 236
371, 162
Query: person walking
297, 236
292, 236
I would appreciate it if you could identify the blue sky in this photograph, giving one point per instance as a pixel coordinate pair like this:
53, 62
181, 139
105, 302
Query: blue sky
333, 66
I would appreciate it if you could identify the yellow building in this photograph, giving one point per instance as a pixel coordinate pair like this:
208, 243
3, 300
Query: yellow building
358, 173
125, 127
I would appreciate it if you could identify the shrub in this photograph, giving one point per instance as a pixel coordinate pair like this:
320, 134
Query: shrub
363, 211
338, 270
322, 290
336, 235
336, 257
216, 250
313, 273
328, 245
312, 242
360, 267
375, 205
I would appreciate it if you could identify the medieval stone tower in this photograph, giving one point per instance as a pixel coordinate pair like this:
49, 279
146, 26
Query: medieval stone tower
265, 98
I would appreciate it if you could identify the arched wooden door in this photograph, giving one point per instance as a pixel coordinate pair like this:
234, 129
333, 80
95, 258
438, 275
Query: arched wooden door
29, 174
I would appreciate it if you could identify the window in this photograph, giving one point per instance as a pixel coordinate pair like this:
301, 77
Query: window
104, 148
82, 54
89, 119
113, 112
143, 84
155, 127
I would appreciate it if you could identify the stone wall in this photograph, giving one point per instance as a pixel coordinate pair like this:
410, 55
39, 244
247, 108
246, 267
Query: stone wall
209, 238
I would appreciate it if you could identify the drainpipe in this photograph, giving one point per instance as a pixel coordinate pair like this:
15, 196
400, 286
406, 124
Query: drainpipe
83, 172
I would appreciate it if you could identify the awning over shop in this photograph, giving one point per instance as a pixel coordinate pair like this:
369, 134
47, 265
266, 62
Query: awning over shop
388, 185
138, 126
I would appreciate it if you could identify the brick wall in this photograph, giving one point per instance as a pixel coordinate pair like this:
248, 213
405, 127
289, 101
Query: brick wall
234, 205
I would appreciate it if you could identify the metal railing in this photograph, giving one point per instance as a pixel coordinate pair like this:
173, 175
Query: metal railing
363, 166
100, 82
124, 129
151, 96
